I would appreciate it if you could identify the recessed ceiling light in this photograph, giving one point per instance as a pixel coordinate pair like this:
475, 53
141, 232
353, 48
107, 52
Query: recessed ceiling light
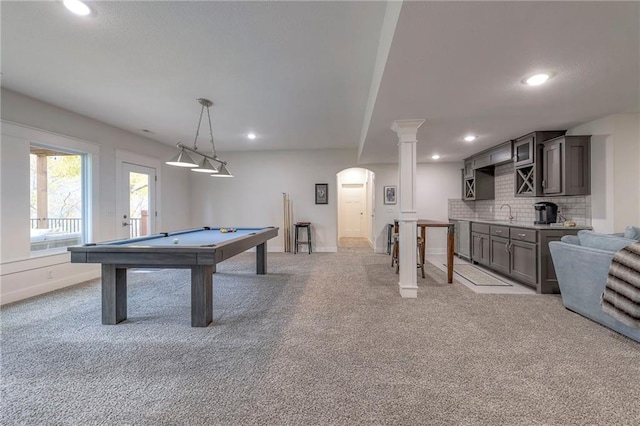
77, 7
435, 157
470, 138
537, 80
251, 135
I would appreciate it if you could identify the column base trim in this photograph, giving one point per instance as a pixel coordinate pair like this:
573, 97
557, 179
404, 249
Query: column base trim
407, 292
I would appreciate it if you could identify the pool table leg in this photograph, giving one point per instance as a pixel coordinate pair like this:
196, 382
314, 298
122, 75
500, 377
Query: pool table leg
201, 295
114, 294
261, 258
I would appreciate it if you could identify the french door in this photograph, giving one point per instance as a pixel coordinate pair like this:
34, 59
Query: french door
138, 201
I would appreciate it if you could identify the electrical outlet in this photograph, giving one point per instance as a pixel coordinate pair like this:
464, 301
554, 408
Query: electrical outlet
50, 274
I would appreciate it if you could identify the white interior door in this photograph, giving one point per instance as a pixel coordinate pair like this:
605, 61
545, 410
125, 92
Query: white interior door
138, 201
353, 210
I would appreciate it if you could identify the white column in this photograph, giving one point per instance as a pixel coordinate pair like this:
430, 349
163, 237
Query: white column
407, 130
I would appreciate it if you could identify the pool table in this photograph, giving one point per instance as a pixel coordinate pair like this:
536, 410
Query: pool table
196, 249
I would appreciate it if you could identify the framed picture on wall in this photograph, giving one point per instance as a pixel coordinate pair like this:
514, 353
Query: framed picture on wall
322, 191
390, 194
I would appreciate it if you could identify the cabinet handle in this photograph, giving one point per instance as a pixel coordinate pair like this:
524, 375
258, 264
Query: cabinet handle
498, 232
522, 235
506, 247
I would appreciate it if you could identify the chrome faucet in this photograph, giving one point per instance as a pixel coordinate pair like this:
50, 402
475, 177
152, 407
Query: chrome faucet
510, 216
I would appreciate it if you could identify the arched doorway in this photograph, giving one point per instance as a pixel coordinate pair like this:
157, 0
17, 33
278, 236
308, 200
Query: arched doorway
355, 209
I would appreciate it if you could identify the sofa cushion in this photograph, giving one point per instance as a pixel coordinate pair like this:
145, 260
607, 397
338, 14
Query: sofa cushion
632, 232
603, 241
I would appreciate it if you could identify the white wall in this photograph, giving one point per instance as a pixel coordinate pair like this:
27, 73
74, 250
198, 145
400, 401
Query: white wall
615, 170
435, 184
254, 196
22, 275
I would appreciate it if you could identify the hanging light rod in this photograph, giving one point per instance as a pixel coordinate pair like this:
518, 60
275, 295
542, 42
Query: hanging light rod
183, 159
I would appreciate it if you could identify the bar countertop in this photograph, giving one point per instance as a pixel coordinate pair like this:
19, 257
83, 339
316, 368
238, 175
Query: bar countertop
519, 224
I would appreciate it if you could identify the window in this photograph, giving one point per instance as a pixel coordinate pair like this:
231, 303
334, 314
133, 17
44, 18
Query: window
57, 197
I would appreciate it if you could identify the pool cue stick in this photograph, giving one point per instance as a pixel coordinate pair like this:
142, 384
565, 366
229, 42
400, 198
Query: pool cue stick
286, 230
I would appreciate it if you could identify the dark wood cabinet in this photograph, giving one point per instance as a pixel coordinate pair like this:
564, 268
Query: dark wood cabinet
492, 157
480, 247
566, 162
518, 253
479, 187
523, 149
523, 257
551, 167
469, 189
478, 173
528, 165
499, 248
468, 169
500, 260
548, 282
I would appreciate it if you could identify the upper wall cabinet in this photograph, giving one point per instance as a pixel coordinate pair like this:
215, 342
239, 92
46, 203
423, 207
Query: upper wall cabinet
566, 166
495, 156
523, 150
478, 173
528, 167
468, 169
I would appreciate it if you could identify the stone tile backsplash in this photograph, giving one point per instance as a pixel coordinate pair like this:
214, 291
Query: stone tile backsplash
577, 208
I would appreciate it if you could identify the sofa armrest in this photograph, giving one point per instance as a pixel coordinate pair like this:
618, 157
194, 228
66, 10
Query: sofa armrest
582, 274
570, 239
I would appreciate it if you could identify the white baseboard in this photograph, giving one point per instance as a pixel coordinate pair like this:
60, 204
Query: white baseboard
38, 289
324, 249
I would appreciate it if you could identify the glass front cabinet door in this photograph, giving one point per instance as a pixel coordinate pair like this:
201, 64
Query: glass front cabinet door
523, 149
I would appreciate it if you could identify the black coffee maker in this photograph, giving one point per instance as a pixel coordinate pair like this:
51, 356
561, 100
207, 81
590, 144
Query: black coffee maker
546, 213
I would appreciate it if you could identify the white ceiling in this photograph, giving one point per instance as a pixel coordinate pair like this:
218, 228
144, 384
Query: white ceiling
299, 74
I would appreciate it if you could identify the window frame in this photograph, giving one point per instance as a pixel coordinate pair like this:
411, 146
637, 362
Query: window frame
34, 136
85, 195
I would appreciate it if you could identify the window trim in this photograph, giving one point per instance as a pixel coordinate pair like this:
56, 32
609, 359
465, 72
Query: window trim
91, 152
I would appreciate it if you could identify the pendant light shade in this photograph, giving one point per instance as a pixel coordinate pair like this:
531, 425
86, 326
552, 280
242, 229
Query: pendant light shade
206, 165
223, 171
182, 159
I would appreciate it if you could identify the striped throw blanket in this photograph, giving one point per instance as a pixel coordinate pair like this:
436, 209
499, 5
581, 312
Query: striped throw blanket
621, 297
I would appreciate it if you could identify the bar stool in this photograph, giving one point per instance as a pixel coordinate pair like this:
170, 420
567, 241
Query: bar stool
394, 257
394, 237
299, 225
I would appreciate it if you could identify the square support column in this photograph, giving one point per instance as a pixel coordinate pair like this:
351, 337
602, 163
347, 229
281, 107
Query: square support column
407, 257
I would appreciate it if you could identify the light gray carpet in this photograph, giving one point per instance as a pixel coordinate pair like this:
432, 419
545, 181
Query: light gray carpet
322, 339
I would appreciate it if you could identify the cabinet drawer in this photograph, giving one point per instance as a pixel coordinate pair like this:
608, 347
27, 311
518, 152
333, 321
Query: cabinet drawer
520, 234
499, 231
482, 228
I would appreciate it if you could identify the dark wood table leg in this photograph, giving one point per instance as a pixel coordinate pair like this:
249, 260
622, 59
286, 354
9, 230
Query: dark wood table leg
450, 235
423, 234
261, 258
201, 295
114, 294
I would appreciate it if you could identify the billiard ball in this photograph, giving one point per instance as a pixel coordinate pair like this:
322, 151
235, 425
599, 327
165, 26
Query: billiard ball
175, 241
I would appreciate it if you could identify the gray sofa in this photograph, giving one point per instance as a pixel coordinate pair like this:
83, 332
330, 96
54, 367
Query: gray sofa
582, 265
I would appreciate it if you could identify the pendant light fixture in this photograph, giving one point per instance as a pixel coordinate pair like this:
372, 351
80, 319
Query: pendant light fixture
206, 165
